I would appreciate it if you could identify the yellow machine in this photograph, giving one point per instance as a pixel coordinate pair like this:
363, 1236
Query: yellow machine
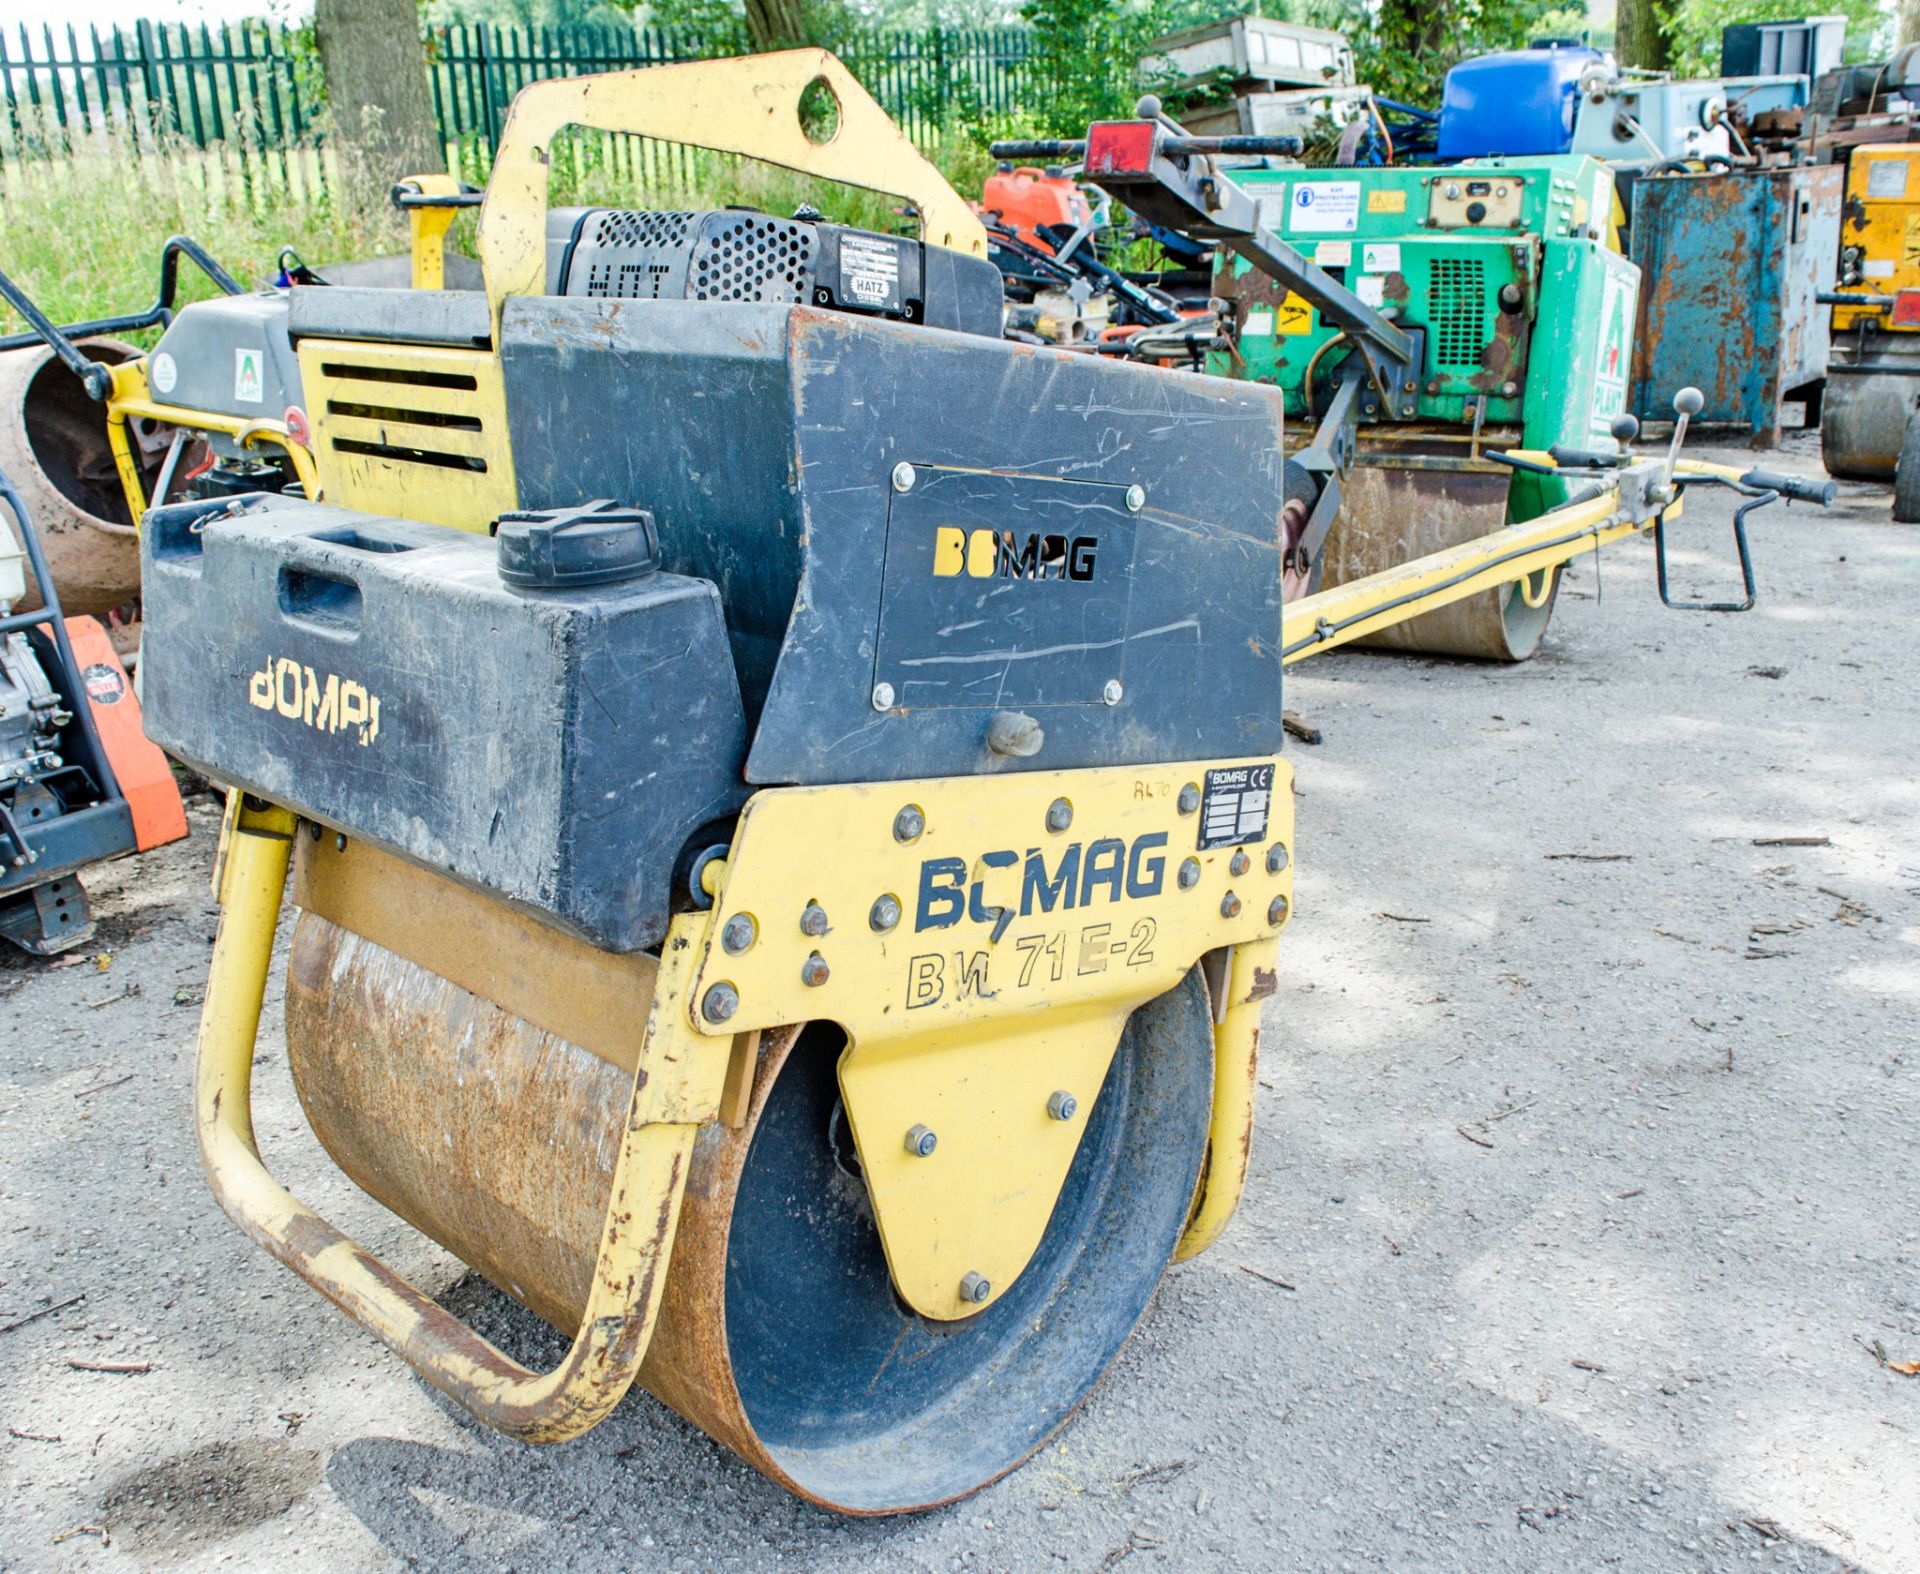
1867, 427
781, 791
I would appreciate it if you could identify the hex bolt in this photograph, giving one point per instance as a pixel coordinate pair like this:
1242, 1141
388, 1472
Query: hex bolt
1189, 798
1508, 390
974, 1289
340, 841
904, 476
1112, 691
883, 696
885, 914
1063, 1105
738, 932
1189, 875
1277, 911
909, 823
1229, 906
720, 1003
813, 971
1136, 498
1277, 859
1239, 863
921, 1142
813, 920
1059, 815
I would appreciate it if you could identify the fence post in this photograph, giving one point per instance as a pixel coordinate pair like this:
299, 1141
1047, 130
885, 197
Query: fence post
490, 122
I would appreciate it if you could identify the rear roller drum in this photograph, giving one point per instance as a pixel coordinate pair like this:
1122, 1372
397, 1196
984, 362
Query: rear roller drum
1388, 517
1864, 418
780, 1333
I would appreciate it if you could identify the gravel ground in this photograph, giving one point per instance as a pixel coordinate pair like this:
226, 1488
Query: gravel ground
1586, 1157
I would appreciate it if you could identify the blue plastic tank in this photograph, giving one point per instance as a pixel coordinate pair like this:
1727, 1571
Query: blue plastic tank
1520, 101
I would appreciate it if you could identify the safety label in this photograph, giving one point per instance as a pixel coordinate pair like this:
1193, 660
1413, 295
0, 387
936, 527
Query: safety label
1234, 805
1296, 315
870, 272
1330, 205
162, 373
1887, 177
1334, 253
1382, 257
248, 384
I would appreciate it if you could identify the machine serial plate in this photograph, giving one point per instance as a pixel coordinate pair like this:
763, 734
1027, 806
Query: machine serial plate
1005, 591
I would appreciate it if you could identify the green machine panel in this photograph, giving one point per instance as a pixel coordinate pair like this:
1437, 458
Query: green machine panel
1501, 263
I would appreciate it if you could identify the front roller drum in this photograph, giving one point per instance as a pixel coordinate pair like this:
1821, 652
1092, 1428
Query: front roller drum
1864, 416
780, 1333
1392, 516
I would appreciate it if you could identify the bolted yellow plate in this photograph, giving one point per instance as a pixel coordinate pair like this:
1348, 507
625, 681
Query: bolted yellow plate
982, 941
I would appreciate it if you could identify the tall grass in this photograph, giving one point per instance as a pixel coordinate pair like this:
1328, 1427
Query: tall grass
82, 234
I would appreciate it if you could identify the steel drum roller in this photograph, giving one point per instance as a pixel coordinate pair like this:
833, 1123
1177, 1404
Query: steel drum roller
780, 1334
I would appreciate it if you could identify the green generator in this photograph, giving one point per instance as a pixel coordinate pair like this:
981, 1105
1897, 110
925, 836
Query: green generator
1526, 316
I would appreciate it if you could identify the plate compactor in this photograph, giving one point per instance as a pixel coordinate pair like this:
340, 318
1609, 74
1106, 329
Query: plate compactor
780, 788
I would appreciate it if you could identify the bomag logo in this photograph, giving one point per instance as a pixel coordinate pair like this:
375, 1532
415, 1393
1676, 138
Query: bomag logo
1001, 554
329, 704
1109, 870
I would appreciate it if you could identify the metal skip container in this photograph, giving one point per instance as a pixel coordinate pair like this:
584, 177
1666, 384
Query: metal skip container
1732, 264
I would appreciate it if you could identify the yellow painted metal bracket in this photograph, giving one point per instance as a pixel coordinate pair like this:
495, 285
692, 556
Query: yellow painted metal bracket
982, 941
751, 106
676, 1087
427, 229
130, 399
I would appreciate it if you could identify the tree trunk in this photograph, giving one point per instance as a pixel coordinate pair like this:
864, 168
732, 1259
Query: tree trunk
777, 24
377, 91
1638, 40
1906, 23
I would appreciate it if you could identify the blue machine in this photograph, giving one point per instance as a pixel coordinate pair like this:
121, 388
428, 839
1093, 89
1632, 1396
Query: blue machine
1520, 101
1567, 98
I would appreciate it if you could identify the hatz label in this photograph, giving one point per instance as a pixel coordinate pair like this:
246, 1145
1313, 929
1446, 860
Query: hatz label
329, 704
1234, 805
1325, 206
870, 272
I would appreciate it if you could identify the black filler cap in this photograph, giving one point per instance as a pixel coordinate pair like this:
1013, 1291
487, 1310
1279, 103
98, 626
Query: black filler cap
597, 543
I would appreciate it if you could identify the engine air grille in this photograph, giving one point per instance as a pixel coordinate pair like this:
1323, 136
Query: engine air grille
1459, 312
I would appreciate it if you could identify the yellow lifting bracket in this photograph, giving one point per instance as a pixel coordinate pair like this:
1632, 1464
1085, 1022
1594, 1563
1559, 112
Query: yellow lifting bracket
677, 1088
753, 107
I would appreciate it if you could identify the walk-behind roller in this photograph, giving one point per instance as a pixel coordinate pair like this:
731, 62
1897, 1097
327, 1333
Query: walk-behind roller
780, 786
1868, 430
1525, 317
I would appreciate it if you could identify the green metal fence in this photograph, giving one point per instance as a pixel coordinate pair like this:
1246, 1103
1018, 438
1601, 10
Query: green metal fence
256, 86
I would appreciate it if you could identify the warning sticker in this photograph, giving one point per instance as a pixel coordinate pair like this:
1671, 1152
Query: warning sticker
1610, 369
1383, 257
248, 383
1887, 177
1386, 202
1328, 205
104, 684
870, 272
1334, 253
1233, 807
1296, 315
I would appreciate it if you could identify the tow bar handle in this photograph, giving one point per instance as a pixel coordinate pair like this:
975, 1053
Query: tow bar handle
1802, 489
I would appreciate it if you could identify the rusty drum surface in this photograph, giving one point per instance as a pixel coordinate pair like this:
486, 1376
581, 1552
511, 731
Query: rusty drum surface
780, 1333
1390, 516
53, 444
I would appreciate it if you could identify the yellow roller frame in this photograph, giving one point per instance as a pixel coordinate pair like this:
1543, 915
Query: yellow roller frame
677, 1088
130, 399
982, 941
750, 106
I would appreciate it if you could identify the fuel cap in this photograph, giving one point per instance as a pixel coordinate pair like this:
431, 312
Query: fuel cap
598, 543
